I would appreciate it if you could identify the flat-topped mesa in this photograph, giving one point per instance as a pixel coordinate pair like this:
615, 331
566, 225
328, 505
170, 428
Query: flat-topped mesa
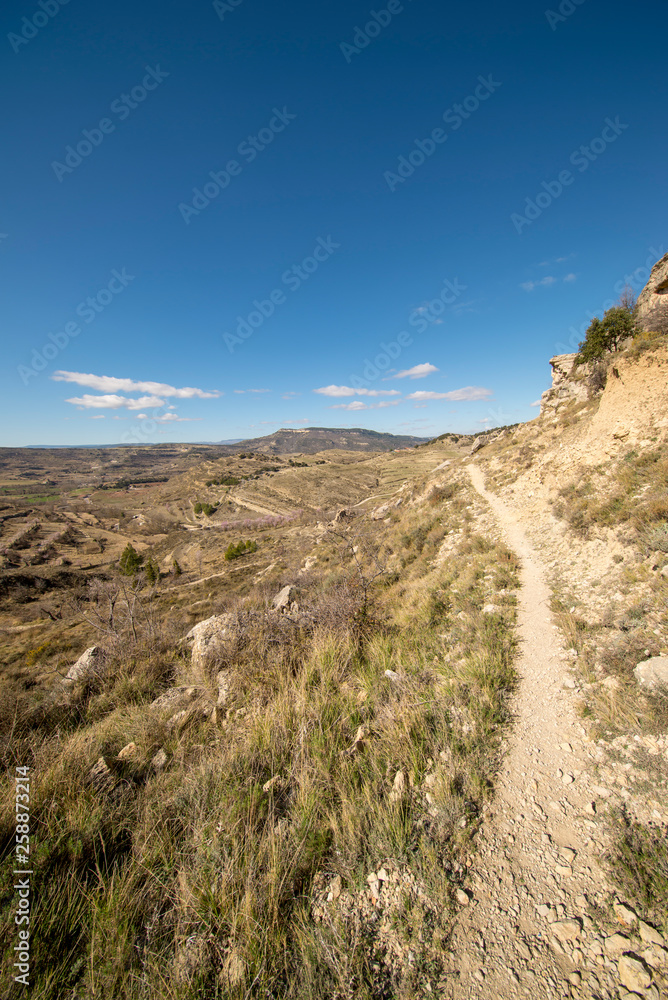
564, 386
652, 306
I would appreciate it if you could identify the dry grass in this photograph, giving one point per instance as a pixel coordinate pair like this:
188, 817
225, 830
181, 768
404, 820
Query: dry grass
634, 493
200, 879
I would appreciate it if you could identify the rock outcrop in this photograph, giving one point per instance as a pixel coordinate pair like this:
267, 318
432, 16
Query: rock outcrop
87, 666
652, 306
204, 637
652, 674
565, 387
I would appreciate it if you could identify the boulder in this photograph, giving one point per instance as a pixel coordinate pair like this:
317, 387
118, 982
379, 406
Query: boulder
652, 674
204, 637
479, 443
380, 512
652, 305
88, 665
284, 598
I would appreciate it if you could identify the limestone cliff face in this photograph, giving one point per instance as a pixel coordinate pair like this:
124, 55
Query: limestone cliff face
569, 381
652, 308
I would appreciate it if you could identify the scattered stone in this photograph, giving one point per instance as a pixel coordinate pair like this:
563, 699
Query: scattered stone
101, 777
566, 930
127, 752
87, 666
398, 787
575, 978
625, 914
392, 675
633, 973
649, 934
335, 887
462, 897
286, 596
204, 637
159, 760
616, 945
656, 957
568, 854
652, 674
272, 783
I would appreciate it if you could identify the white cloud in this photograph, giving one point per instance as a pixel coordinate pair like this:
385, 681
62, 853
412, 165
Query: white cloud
240, 392
114, 402
469, 392
555, 260
109, 384
98, 416
346, 390
536, 402
417, 371
359, 405
570, 277
167, 418
529, 286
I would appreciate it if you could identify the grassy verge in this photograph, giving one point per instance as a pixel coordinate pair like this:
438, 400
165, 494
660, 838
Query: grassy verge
308, 838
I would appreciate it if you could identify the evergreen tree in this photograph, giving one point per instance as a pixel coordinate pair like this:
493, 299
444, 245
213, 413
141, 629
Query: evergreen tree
130, 561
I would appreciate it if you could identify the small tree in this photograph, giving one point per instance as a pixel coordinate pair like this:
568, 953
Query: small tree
130, 562
152, 572
605, 335
176, 569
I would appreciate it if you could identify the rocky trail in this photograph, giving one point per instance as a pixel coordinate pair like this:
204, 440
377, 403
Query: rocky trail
538, 921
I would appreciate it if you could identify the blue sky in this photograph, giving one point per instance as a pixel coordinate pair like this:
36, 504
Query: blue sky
213, 211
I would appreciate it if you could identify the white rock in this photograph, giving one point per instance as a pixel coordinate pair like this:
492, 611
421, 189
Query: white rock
652, 674
88, 664
633, 973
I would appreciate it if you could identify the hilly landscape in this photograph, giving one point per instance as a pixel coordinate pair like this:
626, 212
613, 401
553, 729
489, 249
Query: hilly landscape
343, 715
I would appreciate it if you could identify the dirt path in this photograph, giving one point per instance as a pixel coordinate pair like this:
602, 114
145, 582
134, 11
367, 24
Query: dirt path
528, 929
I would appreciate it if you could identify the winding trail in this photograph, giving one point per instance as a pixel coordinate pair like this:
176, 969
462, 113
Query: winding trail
527, 930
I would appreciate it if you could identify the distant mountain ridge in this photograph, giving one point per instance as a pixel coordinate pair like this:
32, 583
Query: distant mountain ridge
309, 440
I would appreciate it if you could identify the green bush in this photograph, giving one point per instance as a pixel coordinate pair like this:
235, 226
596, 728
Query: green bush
605, 335
240, 549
